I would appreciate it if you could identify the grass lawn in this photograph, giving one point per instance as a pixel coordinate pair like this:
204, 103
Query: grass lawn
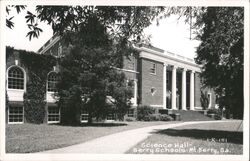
26, 138
209, 138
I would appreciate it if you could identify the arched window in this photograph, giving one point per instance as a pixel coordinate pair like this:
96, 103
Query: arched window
15, 78
52, 82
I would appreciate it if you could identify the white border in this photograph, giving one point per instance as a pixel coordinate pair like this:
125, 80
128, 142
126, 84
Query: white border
18, 157
246, 83
132, 2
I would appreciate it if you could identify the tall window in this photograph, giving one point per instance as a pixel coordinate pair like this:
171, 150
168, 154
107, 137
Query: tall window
84, 115
131, 84
153, 68
53, 114
130, 113
168, 80
216, 99
209, 99
131, 63
111, 116
52, 82
15, 114
15, 78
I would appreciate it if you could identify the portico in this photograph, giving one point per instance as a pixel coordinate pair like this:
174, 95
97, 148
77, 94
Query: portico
182, 90
179, 76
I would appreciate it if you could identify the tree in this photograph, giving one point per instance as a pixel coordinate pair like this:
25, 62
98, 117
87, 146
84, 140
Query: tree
221, 32
97, 39
91, 85
89, 79
221, 54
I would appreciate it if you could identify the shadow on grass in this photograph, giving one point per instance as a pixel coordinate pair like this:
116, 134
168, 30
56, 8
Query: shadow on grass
104, 124
96, 124
215, 135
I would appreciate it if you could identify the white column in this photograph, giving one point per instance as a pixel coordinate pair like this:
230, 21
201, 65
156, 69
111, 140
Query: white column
183, 92
164, 86
135, 92
173, 88
192, 90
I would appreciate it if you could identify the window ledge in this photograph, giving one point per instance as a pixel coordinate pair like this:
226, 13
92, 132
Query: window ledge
15, 122
53, 122
20, 90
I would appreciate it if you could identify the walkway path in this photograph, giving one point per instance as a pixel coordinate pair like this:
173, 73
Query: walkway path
121, 142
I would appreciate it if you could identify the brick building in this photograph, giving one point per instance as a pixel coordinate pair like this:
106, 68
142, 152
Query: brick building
161, 79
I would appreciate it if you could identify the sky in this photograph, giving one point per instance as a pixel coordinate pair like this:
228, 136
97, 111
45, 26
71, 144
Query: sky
170, 35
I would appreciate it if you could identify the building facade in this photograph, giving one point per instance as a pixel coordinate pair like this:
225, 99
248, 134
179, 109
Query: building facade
161, 79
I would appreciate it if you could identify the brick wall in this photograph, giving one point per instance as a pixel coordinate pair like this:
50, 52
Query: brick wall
10, 61
130, 75
148, 81
130, 63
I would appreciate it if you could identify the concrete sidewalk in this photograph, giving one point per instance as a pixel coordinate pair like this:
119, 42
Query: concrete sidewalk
121, 142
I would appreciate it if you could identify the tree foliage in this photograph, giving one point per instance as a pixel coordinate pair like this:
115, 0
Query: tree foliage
221, 54
221, 32
204, 100
89, 79
125, 22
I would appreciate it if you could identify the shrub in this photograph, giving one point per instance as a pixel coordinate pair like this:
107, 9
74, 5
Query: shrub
217, 117
154, 117
129, 119
214, 111
146, 118
217, 113
163, 111
165, 117
144, 112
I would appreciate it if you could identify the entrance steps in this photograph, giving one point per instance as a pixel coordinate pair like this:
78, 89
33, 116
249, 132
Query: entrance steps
187, 115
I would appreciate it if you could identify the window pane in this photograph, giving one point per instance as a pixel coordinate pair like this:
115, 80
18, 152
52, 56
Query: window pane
53, 113
84, 115
153, 68
52, 82
131, 113
16, 114
111, 116
15, 78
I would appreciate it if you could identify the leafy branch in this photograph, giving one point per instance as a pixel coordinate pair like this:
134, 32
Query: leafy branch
18, 9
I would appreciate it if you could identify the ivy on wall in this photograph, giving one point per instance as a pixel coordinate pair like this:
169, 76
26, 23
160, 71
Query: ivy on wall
9, 51
37, 67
